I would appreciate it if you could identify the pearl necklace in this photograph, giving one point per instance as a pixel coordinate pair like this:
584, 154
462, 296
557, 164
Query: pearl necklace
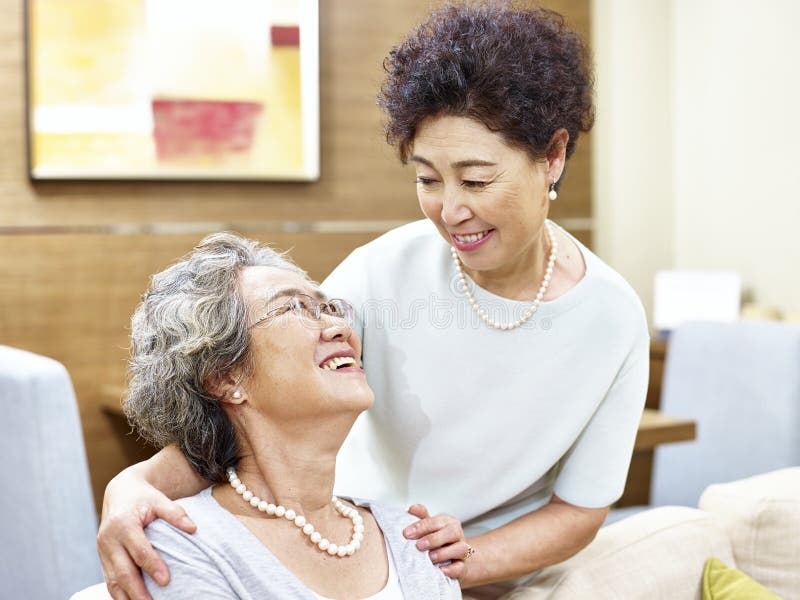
529, 312
300, 521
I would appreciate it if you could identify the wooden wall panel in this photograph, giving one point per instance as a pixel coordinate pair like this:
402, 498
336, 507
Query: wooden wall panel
361, 178
70, 295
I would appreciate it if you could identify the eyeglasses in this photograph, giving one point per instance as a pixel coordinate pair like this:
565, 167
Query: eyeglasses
306, 306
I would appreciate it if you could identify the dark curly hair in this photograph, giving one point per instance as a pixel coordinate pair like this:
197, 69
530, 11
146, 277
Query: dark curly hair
517, 70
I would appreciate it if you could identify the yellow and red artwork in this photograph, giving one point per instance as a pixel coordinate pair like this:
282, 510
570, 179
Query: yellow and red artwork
173, 89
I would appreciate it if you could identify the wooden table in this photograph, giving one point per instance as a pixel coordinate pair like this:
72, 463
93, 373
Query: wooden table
655, 428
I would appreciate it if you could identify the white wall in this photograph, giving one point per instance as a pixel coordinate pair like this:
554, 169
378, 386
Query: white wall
697, 146
632, 144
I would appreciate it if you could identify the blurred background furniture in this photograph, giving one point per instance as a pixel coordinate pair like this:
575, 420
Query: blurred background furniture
740, 382
658, 554
47, 513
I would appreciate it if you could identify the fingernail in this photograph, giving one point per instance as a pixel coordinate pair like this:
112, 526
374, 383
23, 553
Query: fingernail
423, 544
187, 522
434, 556
410, 531
160, 576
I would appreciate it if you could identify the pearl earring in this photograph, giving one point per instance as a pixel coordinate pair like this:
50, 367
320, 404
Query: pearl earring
237, 394
552, 194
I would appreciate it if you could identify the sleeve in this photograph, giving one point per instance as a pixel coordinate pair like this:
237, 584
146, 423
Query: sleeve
348, 282
594, 471
192, 572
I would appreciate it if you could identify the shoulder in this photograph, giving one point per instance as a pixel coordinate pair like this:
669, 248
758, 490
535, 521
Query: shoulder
612, 295
419, 577
417, 238
421, 231
387, 516
374, 267
202, 510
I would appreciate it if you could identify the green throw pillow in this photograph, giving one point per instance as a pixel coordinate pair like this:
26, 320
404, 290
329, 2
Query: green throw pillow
720, 582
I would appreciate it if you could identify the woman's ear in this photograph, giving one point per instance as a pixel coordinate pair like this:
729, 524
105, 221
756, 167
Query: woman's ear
557, 154
225, 387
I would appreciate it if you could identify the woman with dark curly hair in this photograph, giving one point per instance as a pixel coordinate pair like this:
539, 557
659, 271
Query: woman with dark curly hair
509, 362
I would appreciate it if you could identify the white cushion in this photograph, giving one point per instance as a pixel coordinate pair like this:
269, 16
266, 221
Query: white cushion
98, 591
762, 515
654, 555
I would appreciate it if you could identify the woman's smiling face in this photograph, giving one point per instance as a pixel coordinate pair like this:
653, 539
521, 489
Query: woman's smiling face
293, 374
488, 199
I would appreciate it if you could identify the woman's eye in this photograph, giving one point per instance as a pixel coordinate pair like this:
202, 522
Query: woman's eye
425, 180
473, 184
299, 304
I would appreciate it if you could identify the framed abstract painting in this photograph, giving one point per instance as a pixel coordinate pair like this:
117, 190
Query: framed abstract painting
173, 89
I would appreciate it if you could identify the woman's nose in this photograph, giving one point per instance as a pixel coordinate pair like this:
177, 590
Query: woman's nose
335, 328
454, 211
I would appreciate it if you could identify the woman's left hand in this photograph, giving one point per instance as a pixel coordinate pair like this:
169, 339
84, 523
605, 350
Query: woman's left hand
443, 536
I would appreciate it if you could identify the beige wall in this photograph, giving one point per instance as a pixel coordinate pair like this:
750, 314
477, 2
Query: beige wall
737, 142
697, 143
632, 169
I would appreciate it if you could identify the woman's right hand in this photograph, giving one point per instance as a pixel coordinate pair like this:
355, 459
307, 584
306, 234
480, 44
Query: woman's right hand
129, 505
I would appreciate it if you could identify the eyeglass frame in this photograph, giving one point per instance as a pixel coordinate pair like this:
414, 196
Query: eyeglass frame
317, 311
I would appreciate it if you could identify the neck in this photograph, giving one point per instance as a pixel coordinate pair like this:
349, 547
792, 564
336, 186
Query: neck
291, 464
520, 278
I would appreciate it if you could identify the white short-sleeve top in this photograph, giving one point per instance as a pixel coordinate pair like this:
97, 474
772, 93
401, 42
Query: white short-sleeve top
485, 424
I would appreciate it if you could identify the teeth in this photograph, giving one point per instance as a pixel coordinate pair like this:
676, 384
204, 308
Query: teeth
474, 237
334, 363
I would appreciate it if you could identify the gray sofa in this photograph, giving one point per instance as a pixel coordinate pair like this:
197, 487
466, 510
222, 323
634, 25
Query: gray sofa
47, 514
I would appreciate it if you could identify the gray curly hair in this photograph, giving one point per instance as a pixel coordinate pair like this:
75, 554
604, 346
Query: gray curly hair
190, 325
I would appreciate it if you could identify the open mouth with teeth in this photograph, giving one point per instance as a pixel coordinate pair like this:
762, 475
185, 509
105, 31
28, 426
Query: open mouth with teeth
340, 362
472, 237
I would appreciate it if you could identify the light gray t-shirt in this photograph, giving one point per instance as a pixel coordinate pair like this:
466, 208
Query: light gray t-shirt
224, 560
484, 424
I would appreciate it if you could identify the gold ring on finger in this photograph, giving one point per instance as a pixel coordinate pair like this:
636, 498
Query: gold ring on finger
470, 551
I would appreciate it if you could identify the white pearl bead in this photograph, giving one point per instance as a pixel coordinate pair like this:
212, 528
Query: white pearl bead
539, 296
547, 277
300, 521
552, 194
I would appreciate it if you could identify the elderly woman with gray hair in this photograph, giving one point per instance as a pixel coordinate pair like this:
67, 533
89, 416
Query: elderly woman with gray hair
240, 362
